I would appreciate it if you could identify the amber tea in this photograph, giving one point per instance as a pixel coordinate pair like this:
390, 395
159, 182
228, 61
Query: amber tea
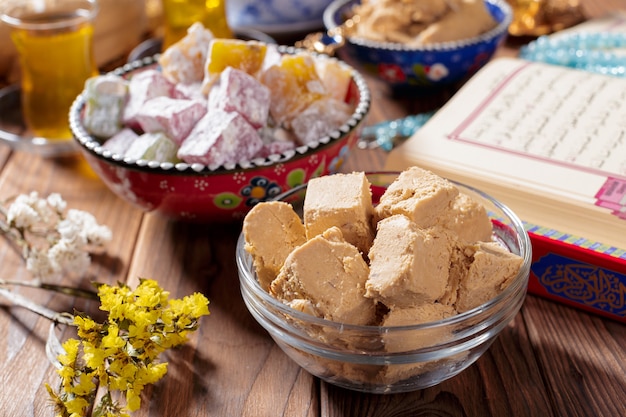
56, 57
178, 15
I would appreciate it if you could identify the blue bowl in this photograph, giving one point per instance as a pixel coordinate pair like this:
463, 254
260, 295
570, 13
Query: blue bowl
423, 67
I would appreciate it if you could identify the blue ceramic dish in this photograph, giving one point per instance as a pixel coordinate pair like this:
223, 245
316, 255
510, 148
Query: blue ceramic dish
276, 17
434, 65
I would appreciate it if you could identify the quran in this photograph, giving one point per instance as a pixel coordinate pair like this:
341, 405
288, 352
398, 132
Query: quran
550, 143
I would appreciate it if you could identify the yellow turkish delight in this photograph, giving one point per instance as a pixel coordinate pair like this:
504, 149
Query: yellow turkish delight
294, 84
247, 56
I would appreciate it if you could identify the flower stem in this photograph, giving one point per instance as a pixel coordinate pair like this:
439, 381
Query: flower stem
17, 299
72, 291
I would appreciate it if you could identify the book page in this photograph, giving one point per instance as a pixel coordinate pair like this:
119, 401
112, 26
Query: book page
568, 117
548, 141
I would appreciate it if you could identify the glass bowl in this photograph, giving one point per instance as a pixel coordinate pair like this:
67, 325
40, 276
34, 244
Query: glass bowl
354, 357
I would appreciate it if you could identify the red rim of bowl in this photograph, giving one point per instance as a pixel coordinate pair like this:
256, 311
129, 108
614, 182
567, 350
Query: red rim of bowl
90, 144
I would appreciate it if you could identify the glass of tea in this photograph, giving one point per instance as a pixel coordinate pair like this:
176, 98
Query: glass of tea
178, 15
54, 40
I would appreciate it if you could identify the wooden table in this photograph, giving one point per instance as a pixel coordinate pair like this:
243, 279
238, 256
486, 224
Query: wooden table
551, 360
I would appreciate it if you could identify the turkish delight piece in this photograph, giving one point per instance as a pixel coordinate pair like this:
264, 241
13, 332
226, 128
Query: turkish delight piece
142, 87
220, 138
490, 269
420, 195
175, 117
330, 273
237, 91
408, 265
319, 119
275, 147
247, 56
191, 91
153, 147
262, 227
120, 142
184, 61
335, 77
294, 84
344, 201
105, 98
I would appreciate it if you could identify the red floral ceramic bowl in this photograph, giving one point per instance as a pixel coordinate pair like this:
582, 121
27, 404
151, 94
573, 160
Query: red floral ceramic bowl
201, 193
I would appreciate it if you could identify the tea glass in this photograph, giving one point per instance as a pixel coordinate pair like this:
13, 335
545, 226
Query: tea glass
54, 40
178, 15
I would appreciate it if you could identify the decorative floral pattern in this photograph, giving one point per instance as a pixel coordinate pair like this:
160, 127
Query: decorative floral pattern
260, 189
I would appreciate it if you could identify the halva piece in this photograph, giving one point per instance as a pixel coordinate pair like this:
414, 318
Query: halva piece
344, 201
489, 272
330, 273
272, 230
408, 265
420, 195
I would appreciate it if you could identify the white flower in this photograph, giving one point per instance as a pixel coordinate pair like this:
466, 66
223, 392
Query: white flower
56, 202
94, 233
66, 256
22, 215
38, 263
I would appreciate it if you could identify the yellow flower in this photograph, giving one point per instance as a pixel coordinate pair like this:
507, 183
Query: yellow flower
112, 340
85, 385
77, 406
122, 353
133, 400
71, 352
93, 356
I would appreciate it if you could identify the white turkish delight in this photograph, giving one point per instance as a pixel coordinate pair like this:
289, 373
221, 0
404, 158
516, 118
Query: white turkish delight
175, 117
183, 62
121, 141
105, 98
220, 138
153, 147
142, 87
240, 92
319, 119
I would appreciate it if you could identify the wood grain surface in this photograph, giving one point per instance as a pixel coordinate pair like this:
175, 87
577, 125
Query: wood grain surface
552, 360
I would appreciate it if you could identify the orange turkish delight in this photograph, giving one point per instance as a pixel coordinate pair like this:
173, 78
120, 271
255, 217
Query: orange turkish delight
247, 56
294, 85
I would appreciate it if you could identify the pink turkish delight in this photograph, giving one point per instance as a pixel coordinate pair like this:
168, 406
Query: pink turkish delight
175, 117
237, 91
189, 92
142, 87
319, 119
220, 138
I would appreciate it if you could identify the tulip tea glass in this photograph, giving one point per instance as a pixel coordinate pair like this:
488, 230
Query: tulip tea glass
54, 39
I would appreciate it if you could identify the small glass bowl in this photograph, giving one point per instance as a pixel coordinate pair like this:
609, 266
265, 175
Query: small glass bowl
354, 357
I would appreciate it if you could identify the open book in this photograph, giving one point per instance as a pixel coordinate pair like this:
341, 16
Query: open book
550, 143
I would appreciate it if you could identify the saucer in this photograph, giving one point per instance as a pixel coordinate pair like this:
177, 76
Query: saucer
13, 131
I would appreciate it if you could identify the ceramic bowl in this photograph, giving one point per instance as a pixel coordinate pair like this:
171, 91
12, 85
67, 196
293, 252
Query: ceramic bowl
276, 16
434, 65
354, 357
196, 192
